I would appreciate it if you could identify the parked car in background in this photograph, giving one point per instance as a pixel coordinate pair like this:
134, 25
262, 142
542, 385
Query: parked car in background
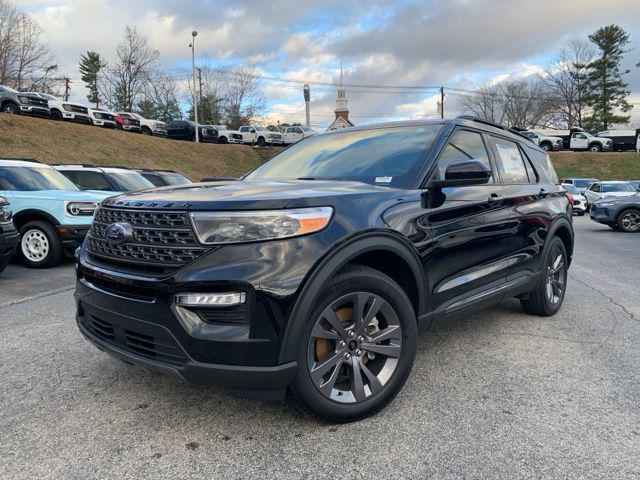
579, 201
260, 136
294, 134
225, 135
126, 122
102, 118
622, 139
65, 110
9, 236
186, 130
622, 213
580, 183
579, 140
147, 126
164, 178
313, 272
635, 183
613, 188
543, 141
50, 212
104, 179
12, 101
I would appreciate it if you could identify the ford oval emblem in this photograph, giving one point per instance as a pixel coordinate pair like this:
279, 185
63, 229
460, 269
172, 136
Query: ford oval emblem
118, 232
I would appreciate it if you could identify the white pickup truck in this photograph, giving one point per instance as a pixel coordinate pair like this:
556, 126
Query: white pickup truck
296, 133
148, 126
227, 136
65, 110
543, 141
260, 136
578, 139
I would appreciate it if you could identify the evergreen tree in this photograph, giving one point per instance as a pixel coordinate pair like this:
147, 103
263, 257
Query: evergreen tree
605, 90
90, 66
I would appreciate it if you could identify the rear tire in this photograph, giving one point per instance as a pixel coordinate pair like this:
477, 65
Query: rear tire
629, 221
548, 295
40, 245
345, 370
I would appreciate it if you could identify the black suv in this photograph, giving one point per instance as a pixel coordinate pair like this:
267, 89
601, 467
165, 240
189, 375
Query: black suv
9, 236
312, 273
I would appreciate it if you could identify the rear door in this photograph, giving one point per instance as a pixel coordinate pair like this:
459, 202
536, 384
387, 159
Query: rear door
466, 251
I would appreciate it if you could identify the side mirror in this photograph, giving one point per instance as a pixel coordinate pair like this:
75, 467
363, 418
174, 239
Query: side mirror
467, 172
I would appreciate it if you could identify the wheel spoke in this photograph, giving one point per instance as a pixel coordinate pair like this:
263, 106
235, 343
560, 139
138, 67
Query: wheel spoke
557, 263
320, 332
330, 316
373, 310
358, 384
328, 385
388, 350
390, 332
319, 370
374, 383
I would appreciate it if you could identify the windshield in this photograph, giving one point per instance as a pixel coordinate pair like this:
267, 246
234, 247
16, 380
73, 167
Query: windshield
8, 89
382, 156
584, 183
29, 179
618, 187
173, 178
129, 181
570, 188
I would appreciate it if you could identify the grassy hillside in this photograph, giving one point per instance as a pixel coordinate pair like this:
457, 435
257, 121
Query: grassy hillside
62, 142
604, 166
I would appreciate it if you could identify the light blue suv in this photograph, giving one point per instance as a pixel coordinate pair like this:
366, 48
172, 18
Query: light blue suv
50, 212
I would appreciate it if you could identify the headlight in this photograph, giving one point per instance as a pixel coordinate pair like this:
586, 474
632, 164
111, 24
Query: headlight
247, 226
23, 99
81, 209
67, 107
5, 214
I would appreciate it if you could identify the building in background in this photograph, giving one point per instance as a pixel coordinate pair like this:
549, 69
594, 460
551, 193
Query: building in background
341, 111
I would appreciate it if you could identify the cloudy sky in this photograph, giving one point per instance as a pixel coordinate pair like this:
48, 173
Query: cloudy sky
455, 43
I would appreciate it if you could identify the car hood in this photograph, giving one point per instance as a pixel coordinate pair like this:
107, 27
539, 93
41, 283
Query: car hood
635, 198
238, 195
617, 194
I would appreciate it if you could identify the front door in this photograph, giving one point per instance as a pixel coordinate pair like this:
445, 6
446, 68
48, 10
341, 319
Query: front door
468, 238
579, 141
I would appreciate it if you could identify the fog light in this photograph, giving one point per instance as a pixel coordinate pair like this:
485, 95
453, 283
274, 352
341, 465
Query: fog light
210, 299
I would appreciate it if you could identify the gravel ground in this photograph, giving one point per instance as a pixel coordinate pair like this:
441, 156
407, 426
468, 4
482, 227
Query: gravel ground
496, 395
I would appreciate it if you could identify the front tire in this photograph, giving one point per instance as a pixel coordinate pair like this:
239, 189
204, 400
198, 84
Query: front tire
545, 146
10, 108
358, 347
595, 148
146, 131
4, 263
548, 295
40, 246
262, 142
629, 221
56, 115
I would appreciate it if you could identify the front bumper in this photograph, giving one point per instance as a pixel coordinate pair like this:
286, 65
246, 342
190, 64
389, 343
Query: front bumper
604, 215
72, 237
580, 206
132, 128
105, 123
76, 117
34, 110
9, 239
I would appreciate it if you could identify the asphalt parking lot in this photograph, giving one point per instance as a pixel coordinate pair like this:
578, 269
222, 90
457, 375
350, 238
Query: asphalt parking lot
497, 395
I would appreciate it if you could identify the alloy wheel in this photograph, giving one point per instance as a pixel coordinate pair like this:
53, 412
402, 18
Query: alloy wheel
630, 221
556, 276
354, 347
35, 245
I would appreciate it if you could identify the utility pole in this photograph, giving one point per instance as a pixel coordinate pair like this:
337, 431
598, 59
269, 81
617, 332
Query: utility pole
200, 89
195, 87
441, 102
67, 88
307, 99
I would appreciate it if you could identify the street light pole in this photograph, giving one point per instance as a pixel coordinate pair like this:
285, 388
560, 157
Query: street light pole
195, 86
307, 99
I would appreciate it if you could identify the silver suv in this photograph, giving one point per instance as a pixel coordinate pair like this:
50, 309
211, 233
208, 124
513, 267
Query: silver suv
13, 101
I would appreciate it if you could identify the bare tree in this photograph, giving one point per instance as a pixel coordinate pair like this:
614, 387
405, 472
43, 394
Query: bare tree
565, 80
517, 103
485, 103
243, 100
125, 80
160, 98
24, 59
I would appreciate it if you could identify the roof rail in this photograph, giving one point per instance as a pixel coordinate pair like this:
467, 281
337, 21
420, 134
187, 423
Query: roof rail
85, 165
117, 166
34, 160
515, 130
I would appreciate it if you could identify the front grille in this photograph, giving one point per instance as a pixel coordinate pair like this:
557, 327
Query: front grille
576, 202
236, 136
39, 102
154, 343
160, 241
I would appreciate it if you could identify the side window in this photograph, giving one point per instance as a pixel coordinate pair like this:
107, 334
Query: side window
580, 136
298, 130
70, 175
244, 129
463, 145
543, 167
93, 181
509, 161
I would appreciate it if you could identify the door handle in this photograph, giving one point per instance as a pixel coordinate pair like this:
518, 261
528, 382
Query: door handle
543, 192
494, 197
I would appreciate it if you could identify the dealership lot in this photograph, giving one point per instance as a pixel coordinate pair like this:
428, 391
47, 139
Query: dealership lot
499, 394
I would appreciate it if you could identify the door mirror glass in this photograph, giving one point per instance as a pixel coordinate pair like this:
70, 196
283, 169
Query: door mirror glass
466, 172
